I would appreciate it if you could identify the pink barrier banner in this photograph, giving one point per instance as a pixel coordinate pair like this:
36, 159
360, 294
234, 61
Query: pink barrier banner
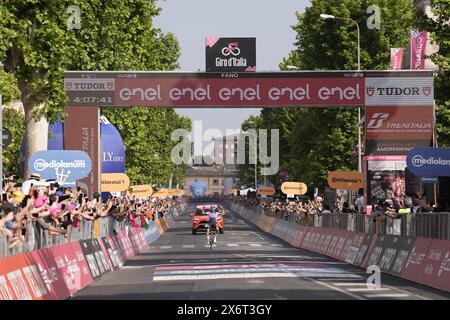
352, 252
52, 276
120, 258
415, 263
435, 269
20, 279
106, 254
369, 251
349, 236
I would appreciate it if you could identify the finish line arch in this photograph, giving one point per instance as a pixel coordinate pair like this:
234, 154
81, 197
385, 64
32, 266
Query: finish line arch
399, 104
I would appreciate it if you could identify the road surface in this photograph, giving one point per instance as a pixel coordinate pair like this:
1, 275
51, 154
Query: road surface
245, 263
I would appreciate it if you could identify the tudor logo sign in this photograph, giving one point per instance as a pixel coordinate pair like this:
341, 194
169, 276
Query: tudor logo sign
396, 91
370, 91
89, 84
429, 162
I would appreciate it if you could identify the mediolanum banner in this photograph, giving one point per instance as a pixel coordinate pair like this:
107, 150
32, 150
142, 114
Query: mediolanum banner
429, 162
230, 54
66, 166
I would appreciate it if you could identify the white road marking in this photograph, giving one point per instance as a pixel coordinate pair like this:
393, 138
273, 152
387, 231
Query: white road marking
258, 235
276, 245
255, 245
336, 289
367, 289
232, 245
165, 247
387, 295
188, 246
344, 284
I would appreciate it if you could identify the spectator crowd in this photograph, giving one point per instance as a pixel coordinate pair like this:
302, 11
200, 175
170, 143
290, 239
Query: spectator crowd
54, 208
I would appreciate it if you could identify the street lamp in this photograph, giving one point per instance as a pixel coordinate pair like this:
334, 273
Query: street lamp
324, 16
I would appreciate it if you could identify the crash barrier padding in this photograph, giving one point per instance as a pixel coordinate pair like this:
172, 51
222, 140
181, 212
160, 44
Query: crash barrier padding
432, 268
169, 219
159, 226
50, 273
111, 252
164, 224
390, 253
151, 233
279, 228
299, 236
290, 234
60, 271
365, 262
355, 246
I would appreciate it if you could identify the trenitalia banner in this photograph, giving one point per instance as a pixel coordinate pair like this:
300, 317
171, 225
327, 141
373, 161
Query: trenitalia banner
345, 180
66, 166
230, 54
429, 162
397, 130
418, 46
396, 58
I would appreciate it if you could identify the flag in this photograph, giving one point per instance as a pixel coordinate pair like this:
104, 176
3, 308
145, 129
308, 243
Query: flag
418, 45
396, 58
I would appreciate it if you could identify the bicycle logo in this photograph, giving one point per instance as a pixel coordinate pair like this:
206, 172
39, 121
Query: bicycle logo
231, 48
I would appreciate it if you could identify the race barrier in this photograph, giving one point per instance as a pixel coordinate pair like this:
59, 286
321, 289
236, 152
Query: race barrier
57, 272
422, 260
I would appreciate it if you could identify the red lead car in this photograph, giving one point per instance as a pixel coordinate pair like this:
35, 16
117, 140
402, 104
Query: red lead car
201, 216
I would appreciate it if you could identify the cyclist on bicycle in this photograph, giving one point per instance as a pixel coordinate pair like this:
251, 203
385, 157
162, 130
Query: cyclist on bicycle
212, 223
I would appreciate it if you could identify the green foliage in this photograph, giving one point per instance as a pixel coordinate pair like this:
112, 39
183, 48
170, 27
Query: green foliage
314, 142
15, 123
36, 46
439, 29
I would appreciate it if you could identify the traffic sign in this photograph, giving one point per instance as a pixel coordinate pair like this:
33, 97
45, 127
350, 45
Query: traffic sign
6, 137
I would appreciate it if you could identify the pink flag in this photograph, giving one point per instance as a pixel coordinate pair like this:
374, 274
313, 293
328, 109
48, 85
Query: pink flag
396, 58
418, 45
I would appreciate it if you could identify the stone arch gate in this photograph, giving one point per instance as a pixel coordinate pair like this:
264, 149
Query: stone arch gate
399, 107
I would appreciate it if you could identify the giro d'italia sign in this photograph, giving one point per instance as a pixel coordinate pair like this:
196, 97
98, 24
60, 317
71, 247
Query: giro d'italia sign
66, 166
429, 162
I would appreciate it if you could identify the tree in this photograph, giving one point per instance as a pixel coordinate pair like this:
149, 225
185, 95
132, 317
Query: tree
437, 24
316, 141
14, 122
114, 35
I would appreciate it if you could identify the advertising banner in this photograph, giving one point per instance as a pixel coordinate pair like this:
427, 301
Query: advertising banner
114, 182
298, 188
267, 191
13, 281
414, 264
429, 162
345, 180
113, 252
399, 91
396, 130
418, 46
396, 58
66, 166
113, 149
88, 252
230, 54
141, 191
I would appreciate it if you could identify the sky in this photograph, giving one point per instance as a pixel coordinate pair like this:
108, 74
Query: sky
191, 21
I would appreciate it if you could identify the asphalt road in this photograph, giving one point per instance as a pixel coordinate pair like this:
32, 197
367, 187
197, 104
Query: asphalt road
245, 263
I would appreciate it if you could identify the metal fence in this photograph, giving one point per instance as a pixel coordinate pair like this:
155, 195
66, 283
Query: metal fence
38, 238
427, 225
